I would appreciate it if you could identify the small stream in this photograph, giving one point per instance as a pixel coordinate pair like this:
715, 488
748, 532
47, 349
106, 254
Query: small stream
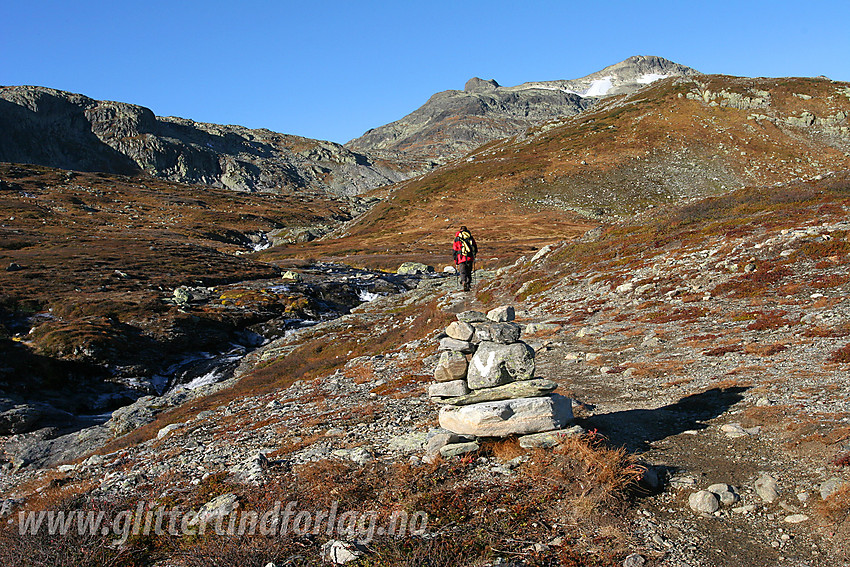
223, 328
336, 289
330, 290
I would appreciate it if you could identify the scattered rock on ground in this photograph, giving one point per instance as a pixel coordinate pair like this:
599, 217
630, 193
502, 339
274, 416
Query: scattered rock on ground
704, 501
767, 488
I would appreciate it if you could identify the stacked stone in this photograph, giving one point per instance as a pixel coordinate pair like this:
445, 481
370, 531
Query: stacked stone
485, 381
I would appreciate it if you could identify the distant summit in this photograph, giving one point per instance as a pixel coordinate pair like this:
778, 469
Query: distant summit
476, 85
452, 123
624, 77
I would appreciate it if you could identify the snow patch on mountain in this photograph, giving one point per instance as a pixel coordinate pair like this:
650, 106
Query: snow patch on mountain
651, 78
600, 87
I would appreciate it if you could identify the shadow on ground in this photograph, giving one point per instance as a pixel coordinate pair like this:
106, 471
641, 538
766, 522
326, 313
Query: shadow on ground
637, 429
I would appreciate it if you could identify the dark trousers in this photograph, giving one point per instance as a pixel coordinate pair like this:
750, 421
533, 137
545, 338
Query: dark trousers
465, 270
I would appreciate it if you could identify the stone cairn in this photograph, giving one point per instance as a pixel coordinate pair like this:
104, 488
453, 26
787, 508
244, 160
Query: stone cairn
485, 383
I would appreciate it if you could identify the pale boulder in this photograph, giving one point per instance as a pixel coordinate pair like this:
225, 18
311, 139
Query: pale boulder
704, 501
767, 488
502, 314
451, 366
495, 364
460, 330
507, 417
449, 343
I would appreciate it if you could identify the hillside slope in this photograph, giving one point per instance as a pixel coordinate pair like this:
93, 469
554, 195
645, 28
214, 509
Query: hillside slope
673, 140
54, 128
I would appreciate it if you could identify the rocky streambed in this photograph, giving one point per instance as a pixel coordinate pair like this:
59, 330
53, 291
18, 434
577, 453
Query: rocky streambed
205, 334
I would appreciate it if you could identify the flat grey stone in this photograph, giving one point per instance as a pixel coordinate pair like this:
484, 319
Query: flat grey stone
456, 449
522, 389
502, 333
448, 389
549, 439
440, 440
449, 343
471, 317
534, 328
408, 443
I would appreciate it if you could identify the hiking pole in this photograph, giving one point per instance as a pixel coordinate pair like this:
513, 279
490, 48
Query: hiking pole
457, 275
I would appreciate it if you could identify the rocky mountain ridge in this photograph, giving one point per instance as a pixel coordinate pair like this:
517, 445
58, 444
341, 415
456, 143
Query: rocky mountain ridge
55, 128
452, 123
71, 131
621, 78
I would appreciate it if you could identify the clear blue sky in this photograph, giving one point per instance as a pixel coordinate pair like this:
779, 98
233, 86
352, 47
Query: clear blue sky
333, 69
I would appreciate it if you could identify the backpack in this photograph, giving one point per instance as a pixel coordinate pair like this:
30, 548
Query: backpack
466, 246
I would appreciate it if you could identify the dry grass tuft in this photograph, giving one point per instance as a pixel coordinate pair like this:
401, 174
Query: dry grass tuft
720, 351
836, 508
613, 471
768, 321
764, 350
841, 355
503, 449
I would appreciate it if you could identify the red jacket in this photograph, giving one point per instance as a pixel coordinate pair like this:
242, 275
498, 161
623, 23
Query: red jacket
457, 246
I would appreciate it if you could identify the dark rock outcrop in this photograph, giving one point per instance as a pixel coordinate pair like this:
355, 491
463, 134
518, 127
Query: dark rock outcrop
476, 85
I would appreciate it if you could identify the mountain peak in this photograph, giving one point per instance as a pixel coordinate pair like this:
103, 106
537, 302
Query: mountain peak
454, 122
476, 85
640, 65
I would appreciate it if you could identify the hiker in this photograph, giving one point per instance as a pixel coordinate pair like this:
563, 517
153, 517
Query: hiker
465, 250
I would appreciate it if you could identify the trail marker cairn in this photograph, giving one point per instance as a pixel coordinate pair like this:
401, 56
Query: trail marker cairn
485, 382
